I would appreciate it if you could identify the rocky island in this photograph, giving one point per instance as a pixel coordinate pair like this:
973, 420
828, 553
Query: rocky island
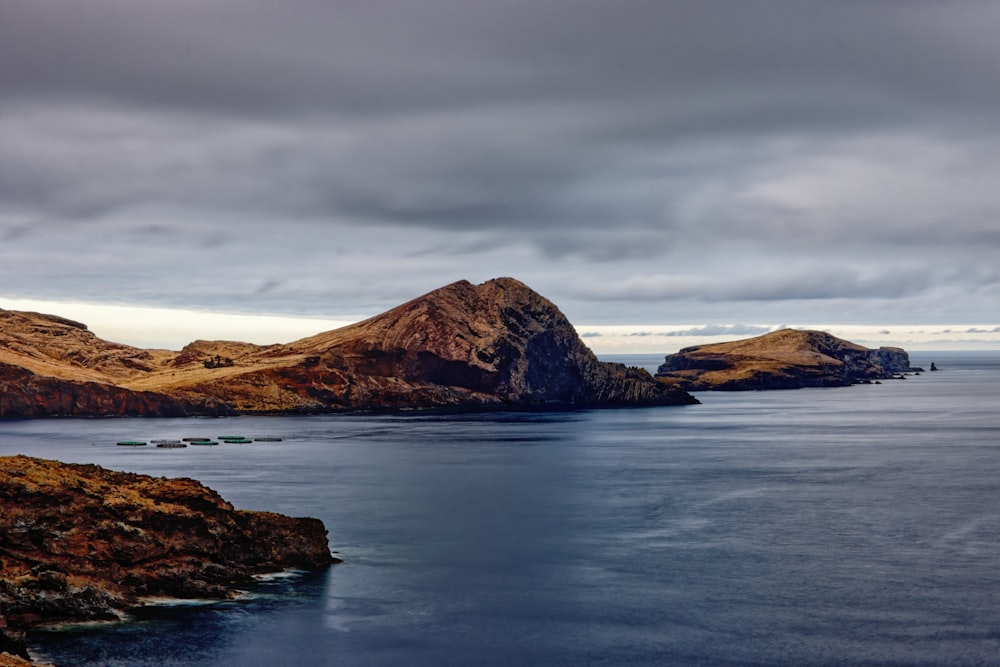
81, 543
463, 346
785, 359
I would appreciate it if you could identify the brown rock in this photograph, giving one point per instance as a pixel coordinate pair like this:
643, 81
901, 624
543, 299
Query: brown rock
464, 346
785, 359
8, 660
78, 542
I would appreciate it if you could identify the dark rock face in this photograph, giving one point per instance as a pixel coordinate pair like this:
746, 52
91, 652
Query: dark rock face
80, 543
786, 359
498, 344
27, 394
470, 347
14, 648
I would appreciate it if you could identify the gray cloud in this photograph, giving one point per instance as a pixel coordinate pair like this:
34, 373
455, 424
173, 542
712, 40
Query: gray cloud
643, 161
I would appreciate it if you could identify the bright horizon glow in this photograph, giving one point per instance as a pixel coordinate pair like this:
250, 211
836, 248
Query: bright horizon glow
173, 328
666, 339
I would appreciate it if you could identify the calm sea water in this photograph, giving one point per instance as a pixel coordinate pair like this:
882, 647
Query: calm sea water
821, 526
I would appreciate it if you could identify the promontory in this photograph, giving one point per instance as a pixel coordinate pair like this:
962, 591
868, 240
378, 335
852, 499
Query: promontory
497, 345
81, 543
784, 359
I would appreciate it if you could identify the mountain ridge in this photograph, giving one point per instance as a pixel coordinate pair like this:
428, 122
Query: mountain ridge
496, 345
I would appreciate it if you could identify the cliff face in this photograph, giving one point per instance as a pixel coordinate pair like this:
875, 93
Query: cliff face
495, 345
498, 344
51, 366
786, 359
27, 394
80, 543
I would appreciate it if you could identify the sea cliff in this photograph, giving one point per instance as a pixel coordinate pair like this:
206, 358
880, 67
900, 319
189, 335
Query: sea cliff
81, 543
785, 359
497, 345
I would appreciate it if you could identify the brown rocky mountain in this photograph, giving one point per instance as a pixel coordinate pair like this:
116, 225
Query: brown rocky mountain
53, 366
464, 346
785, 359
80, 543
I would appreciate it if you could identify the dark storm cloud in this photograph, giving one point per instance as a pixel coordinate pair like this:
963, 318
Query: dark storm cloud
719, 151
398, 57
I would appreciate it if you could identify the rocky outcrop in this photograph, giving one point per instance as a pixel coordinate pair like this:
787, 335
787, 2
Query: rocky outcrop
464, 346
81, 543
18, 657
495, 345
24, 393
54, 367
786, 359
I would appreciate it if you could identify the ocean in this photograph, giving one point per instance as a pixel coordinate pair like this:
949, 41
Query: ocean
855, 525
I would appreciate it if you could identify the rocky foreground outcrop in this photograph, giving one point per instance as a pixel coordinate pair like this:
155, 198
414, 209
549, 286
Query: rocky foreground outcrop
464, 346
785, 359
81, 543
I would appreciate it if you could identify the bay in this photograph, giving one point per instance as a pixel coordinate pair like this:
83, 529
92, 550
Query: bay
853, 525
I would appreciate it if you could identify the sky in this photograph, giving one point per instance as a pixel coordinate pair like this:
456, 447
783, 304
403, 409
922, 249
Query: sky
664, 171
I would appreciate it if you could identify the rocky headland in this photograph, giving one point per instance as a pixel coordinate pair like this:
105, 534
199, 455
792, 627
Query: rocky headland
785, 359
79, 543
463, 346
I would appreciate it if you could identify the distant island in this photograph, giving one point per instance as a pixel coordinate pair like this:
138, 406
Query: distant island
498, 345
785, 359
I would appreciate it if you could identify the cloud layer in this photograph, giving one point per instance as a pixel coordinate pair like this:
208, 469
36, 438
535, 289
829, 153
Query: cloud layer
637, 161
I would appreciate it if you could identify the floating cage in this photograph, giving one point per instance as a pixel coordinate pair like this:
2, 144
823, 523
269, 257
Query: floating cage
131, 443
171, 445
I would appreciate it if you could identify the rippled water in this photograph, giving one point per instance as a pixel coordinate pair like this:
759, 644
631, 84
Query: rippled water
824, 526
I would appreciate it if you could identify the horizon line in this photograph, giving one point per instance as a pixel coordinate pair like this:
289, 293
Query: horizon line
159, 327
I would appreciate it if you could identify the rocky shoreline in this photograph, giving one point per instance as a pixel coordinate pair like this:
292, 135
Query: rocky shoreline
79, 543
784, 359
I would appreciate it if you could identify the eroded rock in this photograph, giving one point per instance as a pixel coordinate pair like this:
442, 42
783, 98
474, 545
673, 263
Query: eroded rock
81, 543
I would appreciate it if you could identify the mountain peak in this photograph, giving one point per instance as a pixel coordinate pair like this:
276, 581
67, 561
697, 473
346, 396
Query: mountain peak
498, 344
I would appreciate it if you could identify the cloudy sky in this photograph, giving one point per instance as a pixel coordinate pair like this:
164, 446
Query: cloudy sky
653, 166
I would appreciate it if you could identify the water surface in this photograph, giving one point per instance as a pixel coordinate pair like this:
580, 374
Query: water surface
820, 526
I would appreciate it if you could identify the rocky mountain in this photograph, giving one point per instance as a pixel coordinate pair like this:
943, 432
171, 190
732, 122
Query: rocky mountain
785, 359
464, 346
52, 366
80, 543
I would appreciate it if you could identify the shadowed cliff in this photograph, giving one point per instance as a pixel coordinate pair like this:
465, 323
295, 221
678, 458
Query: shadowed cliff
463, 346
